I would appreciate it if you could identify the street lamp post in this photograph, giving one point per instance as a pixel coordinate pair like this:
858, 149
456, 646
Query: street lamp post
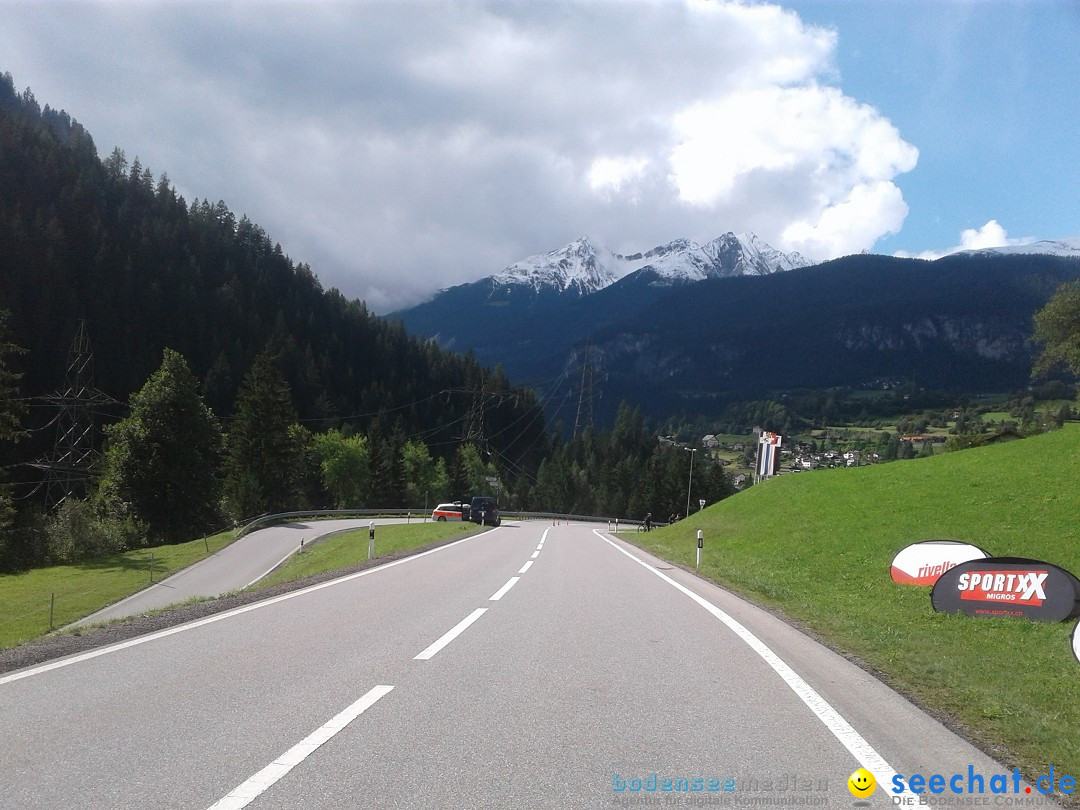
689, 483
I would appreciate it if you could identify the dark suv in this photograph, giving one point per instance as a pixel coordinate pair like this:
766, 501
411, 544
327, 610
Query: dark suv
484, 510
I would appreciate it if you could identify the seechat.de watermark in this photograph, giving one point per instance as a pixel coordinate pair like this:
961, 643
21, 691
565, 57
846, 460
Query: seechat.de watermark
997, 789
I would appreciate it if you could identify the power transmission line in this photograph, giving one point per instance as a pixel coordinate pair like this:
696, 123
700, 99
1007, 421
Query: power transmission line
69, 467
586, 395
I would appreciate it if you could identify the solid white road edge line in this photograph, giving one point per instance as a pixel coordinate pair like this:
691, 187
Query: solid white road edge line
451, 634
510, 583
217, 617
863, 752
244, 794
526, 567
271, 569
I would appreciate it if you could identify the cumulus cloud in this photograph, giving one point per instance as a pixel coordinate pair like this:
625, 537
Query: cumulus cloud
990, 235
834, 157
402, 147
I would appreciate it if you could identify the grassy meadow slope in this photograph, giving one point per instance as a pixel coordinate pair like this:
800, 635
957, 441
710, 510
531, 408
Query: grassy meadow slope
818, 547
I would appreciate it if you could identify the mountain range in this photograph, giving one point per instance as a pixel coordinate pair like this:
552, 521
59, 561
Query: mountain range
580, 268
1045, 247
551, 281
686, 328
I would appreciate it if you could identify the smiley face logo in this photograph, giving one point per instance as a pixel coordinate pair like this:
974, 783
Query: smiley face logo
862, 784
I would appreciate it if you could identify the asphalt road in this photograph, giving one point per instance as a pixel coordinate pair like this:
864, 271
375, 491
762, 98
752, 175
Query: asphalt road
526, 667
236, 566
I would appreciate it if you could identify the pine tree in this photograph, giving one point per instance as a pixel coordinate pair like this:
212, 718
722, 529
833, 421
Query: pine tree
161, 465
387, 470
263, 459
11, 410
717, 483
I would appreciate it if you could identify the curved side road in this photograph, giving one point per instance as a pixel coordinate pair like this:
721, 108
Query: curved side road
236, 566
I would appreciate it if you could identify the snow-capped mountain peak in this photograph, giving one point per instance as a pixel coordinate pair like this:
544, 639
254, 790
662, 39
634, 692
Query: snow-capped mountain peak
575, 267
582, 268
757, 255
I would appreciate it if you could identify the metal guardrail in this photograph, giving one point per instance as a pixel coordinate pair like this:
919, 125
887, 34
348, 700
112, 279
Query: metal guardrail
279, 517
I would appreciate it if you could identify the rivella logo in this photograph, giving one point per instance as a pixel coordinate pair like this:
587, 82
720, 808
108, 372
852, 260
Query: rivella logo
1008, 587
935, 571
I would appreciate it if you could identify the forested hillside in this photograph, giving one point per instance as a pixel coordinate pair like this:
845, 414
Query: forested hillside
106, 242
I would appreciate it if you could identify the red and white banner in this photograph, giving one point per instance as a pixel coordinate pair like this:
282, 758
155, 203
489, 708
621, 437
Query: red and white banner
922, 563
772, 439
1003, 585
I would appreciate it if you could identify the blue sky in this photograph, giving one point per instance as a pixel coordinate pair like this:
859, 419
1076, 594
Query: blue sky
401, 147
987, 91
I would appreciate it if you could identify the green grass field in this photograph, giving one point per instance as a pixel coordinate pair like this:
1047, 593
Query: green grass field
351, 548
819, 548
77, 590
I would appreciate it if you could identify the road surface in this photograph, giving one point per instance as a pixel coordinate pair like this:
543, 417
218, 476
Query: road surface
531, 666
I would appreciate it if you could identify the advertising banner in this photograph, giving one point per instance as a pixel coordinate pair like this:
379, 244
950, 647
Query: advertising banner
1008, 586
768, 454
922, 563
767, 457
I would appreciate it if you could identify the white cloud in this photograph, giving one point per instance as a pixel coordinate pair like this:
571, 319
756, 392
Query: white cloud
402, 147
835, 159
852, 224
608, 175
990, 235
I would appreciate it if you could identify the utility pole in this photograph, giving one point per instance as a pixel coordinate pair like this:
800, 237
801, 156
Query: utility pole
690, 482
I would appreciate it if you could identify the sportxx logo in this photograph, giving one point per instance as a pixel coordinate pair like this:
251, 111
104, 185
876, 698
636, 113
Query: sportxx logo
1015, 587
